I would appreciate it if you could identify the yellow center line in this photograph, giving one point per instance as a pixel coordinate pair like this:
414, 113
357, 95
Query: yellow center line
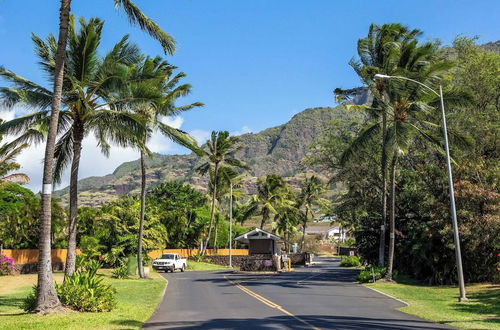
268, 302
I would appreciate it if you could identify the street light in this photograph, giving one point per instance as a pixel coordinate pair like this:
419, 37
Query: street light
450, 182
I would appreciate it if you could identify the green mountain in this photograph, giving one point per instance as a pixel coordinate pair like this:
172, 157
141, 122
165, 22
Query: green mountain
277, 150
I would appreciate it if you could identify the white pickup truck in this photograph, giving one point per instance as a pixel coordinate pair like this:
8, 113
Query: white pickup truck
170, 262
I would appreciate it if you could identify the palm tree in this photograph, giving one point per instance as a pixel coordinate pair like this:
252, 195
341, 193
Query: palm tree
152, 94
410, 115
311, 195
272, 196
380, 53
89, 90
47, 300
8, 153
219, 151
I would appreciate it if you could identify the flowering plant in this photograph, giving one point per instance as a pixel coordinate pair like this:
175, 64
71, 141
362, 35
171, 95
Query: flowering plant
6, 265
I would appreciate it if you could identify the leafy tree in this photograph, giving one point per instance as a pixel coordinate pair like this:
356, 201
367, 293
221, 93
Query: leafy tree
152, 95
8, 153
183, 212
219, 151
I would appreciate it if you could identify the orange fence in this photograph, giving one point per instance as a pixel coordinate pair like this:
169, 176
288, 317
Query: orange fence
59, 255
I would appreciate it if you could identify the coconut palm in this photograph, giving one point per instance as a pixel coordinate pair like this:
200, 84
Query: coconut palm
379, 53
410, 115
151, 95
46, 297
88, 98
8, 153
219, 151
272, 195
311, 195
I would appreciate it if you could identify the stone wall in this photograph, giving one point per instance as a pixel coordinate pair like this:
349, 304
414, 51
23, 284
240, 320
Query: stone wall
32, 267
224, 260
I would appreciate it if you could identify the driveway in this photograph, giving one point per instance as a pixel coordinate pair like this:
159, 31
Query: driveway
318, 297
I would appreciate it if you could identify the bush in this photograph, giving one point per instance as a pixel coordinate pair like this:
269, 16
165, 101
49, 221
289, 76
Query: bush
6, 265
371, 274
352, 261
85, 292
121, 272
29, 303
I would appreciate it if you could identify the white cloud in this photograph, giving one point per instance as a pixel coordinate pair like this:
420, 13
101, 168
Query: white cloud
93, 162
201, 136
243, 130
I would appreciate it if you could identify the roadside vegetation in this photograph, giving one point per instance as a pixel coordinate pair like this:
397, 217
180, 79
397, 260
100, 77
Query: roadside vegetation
439, 303
136, 301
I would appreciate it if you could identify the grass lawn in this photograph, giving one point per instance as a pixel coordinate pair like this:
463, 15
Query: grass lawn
196, 266
137, 300
439, 303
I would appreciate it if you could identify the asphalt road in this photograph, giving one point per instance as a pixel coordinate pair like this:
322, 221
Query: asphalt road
318, 297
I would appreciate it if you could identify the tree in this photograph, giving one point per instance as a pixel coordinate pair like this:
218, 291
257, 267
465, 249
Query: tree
89, 90
311, 195
272, 195
152, 95
379, 53
8, 153
47, 300
219, 151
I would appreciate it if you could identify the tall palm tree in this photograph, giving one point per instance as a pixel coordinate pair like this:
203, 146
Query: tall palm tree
47, 300
151, 95
379, 53
410, 115
219, 151
311, 195
89, 96
8, 153
272, 195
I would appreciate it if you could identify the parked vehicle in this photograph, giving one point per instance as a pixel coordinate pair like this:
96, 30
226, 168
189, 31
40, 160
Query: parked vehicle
170, 262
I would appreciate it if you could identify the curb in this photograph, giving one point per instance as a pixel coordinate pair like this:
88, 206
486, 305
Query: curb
388, 295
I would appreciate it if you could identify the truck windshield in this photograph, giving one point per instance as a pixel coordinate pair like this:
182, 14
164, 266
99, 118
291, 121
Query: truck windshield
167, 256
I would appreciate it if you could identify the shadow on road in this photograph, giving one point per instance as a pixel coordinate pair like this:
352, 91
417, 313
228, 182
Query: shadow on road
284, 322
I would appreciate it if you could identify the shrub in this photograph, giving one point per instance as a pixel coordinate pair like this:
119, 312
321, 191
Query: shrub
6, 265
351, 261
121, 272
371, 274
85, 292
29, 303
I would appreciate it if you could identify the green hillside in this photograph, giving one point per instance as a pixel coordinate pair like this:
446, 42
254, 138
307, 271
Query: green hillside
279, 150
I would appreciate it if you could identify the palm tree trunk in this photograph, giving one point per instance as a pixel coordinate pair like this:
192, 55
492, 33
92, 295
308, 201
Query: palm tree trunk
303, 233
47, 300
265, 217
141, 220
212, 211
216, 230
73, 200
392, 219
383, 169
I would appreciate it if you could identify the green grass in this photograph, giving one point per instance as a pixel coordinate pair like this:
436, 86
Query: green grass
137, 300
440, 304
197, 266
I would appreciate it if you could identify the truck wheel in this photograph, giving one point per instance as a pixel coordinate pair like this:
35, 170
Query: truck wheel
183, 268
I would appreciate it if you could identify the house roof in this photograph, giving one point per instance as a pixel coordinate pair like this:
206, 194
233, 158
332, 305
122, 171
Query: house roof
256, 234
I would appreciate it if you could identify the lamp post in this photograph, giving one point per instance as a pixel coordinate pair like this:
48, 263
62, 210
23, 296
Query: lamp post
458, 254
230, 224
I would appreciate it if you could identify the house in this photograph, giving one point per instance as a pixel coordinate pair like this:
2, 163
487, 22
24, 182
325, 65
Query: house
325, 232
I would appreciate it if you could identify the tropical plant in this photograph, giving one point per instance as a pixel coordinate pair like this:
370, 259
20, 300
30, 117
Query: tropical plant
351, 261
219, 151
6, 265
46, 295
122, 271
380, 53
151, 95
311, 195
89, 98
8, 153
272, 195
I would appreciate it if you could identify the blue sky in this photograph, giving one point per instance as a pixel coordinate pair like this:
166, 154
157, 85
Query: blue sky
254, 63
